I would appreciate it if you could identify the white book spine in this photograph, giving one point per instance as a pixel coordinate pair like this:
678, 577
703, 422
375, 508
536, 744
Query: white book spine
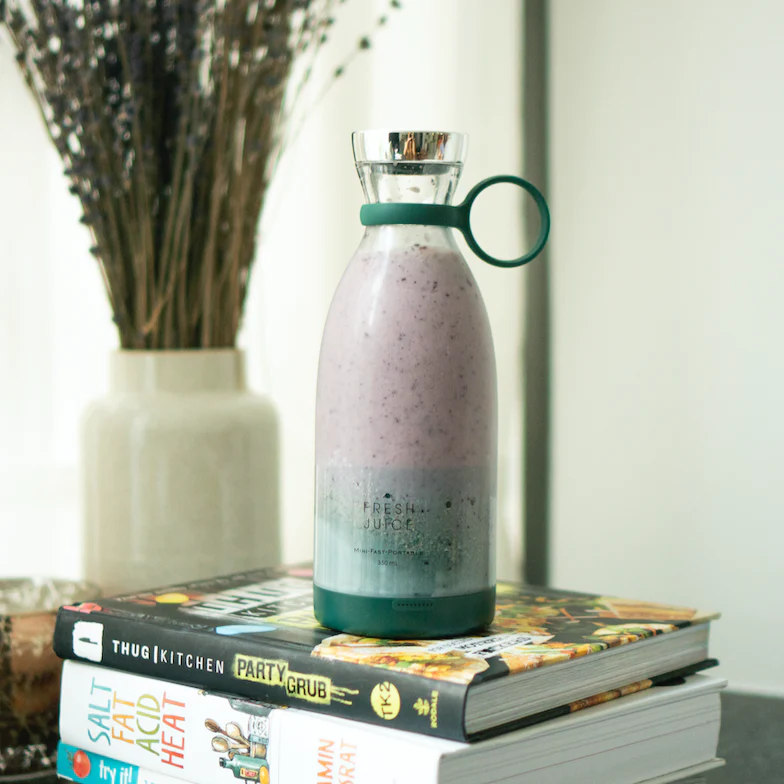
167, 729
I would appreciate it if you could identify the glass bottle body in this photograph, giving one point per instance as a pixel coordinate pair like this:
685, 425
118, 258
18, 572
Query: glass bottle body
406, 430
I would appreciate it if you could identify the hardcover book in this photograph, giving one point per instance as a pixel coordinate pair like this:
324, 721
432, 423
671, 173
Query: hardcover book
254, 635
175, 732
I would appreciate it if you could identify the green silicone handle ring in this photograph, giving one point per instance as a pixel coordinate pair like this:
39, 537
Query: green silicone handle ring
459, 217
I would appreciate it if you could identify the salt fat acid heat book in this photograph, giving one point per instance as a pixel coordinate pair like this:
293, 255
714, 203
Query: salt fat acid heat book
163, 730
254, 635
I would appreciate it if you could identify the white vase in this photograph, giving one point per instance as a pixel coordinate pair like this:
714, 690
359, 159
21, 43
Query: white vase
180, 472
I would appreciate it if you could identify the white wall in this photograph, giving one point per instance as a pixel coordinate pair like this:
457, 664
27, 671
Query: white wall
667, 193
55, 334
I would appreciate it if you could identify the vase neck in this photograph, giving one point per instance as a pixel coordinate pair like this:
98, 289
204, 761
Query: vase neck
183, 372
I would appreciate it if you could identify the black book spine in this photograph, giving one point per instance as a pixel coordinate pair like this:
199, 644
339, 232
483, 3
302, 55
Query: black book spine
270, 672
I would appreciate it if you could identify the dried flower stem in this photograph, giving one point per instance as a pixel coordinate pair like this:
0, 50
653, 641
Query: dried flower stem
169, 116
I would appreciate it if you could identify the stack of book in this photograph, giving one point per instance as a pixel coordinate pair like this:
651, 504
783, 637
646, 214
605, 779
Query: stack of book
233, 678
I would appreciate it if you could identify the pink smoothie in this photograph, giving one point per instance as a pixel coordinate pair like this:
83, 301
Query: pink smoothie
407, 371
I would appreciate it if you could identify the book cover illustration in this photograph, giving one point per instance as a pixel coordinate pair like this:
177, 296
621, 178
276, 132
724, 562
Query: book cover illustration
532, 627
239, 749
178, 731
255, 634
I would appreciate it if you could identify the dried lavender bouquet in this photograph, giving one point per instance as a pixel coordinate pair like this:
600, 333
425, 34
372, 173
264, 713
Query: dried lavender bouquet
169, 116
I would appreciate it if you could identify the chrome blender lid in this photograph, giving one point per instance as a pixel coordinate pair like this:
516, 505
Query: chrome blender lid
421, 146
